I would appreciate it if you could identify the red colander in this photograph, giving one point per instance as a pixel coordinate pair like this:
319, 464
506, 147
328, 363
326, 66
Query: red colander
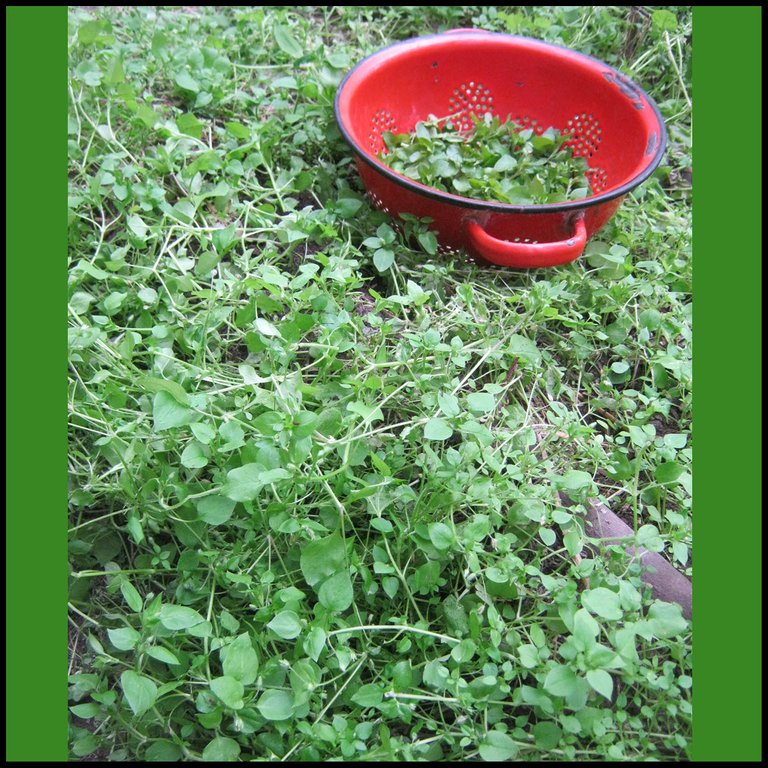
611, 121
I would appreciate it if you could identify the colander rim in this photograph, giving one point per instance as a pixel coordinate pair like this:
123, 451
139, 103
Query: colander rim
489, 205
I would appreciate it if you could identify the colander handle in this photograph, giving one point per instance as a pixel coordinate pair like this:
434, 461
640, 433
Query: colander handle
528, 255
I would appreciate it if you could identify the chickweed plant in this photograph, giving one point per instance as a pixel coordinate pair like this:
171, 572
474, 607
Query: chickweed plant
315, 467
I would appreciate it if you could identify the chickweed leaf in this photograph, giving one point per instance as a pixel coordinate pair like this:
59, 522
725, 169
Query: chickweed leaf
131, 596
322, 558
315, 642
560, 680
162, 654
276, 705
124, 638
140, 692
604, 602
167, 412
666, 619
601, 681
481, 402
383, 259
441, 535
215, 510
286, 625
188, 83
240, 660
163, 752
336, 593
498, 747
287, 41
222, 749
245, 483
437, 429
229, 690
368, 696
179, 617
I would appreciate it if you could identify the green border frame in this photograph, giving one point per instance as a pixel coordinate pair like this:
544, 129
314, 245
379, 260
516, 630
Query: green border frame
727, 312
727, 271
36, 399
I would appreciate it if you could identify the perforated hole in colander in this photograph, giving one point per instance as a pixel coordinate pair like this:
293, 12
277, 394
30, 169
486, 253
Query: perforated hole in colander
377, 201
469, 99
585, 134
381, 122
598, 179
526, 121
447, 250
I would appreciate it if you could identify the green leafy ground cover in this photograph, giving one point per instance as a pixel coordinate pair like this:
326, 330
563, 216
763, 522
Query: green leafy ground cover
314, 467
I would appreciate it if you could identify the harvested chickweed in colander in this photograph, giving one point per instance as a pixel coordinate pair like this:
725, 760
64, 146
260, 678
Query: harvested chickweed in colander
498, 162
